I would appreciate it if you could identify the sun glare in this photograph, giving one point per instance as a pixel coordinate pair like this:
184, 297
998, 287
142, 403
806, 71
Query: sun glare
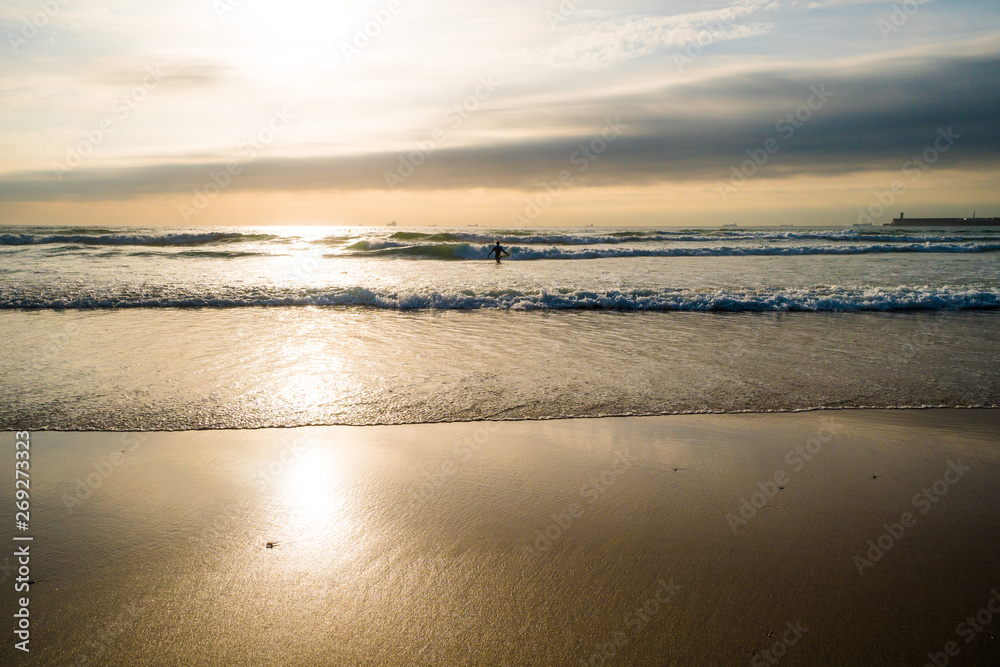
297, 28
313, 500
312, 489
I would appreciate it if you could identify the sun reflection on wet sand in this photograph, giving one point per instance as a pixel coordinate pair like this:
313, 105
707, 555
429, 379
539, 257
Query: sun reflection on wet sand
492, 565
310, 512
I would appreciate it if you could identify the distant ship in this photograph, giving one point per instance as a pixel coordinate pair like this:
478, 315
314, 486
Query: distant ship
902, 221
732, 224
391, 224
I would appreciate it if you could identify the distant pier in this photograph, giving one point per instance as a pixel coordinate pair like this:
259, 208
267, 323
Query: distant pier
902, 221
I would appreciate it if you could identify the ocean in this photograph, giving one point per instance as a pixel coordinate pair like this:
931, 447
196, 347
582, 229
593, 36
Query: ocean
169, 329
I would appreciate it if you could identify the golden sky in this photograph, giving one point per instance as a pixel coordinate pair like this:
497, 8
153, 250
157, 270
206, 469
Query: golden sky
225, 112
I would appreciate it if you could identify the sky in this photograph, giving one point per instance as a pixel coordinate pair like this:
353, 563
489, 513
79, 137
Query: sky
503, 114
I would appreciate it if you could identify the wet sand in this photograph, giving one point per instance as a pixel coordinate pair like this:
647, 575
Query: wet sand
627, 541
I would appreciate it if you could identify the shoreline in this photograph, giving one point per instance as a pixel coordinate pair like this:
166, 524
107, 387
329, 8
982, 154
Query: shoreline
899, 408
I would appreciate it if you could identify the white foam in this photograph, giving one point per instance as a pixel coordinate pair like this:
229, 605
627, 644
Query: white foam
816, 299
467, 251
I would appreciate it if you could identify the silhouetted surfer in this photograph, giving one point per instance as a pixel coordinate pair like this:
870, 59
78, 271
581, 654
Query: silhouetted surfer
498, 249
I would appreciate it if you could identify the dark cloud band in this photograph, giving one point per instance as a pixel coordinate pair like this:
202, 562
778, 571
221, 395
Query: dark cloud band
823, 122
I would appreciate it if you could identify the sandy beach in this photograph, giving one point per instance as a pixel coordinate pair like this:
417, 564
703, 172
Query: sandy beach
816, 538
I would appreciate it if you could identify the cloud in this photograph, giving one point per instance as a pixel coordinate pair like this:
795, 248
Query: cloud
880, 114
823, 4
188, 73
600, 38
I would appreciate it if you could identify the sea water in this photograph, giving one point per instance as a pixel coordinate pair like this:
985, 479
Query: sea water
154, 328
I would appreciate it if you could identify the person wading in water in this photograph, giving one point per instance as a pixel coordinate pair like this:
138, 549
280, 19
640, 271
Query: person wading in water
498, 249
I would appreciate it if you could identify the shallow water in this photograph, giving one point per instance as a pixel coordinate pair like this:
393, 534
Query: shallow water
170, 369
130, 328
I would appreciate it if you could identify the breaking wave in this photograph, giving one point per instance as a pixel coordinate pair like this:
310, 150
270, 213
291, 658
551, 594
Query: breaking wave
382, 239
184, 239
463, 251
815, 299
